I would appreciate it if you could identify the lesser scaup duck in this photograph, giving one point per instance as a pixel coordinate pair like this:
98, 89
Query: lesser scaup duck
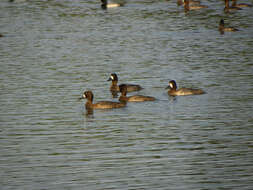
115, 88
135, 98
188, 6
182, 91
192, 2
17, 1
102, 104
106, 5
1, 35
234, 4
223, 29
228, 8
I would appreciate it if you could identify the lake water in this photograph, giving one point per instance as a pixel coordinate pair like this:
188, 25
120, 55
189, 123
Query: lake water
54, 50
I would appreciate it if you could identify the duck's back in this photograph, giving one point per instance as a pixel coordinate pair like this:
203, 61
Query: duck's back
133, 87
186, 91
108, 105
140, 98
196, 7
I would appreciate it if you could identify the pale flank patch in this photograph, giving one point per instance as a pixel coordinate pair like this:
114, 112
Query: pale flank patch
171, 85
112, 5
84, 96
112, 77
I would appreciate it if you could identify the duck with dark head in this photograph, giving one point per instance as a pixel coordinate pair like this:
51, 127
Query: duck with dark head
115, 88
228, 8
189, 7
240, 5
100, 105
223, 29
182, 91
191, 2
105, 4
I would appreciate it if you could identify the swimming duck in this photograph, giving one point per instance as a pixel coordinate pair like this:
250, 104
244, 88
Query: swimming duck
102, 104
17, 1
188, 6
234, 4
182, 91
115, 88
106, 5
223, 29
136, 98
192, 2
228, 8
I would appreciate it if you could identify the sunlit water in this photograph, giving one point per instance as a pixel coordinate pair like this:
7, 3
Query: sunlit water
54, 50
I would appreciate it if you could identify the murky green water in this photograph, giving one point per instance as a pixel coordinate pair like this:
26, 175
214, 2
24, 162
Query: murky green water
54, 50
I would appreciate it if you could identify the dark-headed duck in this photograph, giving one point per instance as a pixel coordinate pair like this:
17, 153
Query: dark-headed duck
100, 105
115, 88
228, 8
192, 2
234, 4
182, 91
223, 29
106, 5
188, 6
135, 98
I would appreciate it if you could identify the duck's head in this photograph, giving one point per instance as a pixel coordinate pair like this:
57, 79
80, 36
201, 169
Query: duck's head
172, 85
113, 77
87, 95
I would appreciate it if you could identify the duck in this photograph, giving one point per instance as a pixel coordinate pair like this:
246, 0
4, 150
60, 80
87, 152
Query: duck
234, 4
228, 8
100, 105
182, 91
181, 2
1, 35
17, 1
135, 98
223, 29
115, 88
188, 6
106, 5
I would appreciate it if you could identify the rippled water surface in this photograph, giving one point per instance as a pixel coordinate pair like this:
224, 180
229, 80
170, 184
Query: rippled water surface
54, 50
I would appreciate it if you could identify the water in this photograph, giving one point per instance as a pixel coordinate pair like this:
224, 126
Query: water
54, 50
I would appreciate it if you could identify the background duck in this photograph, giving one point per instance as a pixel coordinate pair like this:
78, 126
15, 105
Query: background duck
223, 29
115, 88
106, 5
234, 4
135, 98
188, 6
100, 105
182, 91
192, 2
228, 8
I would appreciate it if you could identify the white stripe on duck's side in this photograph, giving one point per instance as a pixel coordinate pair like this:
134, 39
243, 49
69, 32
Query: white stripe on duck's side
113, 5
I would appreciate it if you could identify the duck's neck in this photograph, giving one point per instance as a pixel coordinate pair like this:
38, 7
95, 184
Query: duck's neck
88, 104
123, 99
179, 2
221, 27
226, 4
186, 5
104, 4
114, 83
172, 90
